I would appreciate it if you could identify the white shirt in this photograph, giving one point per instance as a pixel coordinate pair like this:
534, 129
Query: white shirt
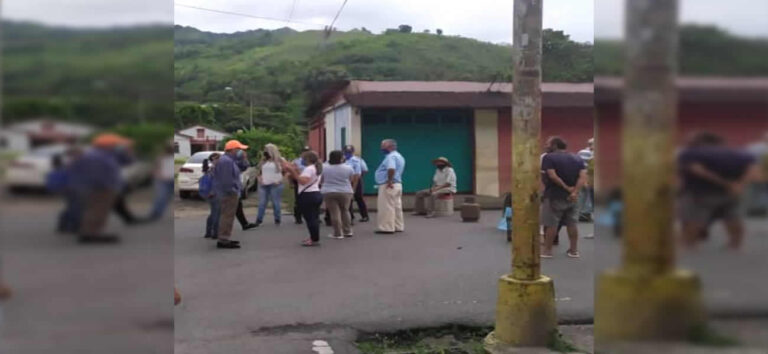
270, 174
447, 175
314, 180
166, 170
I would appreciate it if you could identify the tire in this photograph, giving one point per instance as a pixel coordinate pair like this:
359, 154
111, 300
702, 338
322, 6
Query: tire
185, 194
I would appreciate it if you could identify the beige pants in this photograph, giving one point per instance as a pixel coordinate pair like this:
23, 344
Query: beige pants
390, 204
227, 217
98, 207
425, 201
338, 206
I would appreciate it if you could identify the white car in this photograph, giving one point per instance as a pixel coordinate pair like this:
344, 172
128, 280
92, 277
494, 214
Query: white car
29, 171
192, 170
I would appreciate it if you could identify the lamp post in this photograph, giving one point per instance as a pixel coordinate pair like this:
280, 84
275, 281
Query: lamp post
250, 101
647, 298
525, 311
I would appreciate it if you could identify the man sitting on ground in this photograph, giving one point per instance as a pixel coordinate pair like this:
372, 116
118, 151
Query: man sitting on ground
443, 182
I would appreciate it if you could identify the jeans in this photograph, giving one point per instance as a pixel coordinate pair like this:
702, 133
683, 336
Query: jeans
212, 223
273, 192
70, 217
163, 196
586, 202
309, 205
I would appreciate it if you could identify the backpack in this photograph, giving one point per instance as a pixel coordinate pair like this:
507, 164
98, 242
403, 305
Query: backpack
205, 186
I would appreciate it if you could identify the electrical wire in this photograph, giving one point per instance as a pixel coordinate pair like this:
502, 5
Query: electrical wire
247, 15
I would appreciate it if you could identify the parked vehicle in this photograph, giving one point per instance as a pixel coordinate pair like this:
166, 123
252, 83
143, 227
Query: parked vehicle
191, 171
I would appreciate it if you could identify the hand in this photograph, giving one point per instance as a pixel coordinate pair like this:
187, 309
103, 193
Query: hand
736, 188
573, 197
570, 189
390, 185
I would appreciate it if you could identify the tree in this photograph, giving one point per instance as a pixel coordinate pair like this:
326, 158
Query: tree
439, 32
405, 29
426, 31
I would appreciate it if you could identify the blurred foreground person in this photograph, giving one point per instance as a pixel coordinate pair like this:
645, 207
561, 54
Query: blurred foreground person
713, 178
176, 296
164, 176
5, 290
227, 186
58, 181
309, 198
95, 176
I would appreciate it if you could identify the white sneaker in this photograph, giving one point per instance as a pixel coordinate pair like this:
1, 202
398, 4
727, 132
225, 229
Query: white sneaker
336, 237
590, 236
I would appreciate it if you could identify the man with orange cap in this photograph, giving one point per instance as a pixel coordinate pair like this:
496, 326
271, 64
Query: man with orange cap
227, 187
96, 177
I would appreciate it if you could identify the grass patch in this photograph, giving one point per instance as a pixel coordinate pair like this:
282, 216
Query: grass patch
560, 344
451, 339
179, 160
706, 336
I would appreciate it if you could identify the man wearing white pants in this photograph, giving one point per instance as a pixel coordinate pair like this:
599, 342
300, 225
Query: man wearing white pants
389, 179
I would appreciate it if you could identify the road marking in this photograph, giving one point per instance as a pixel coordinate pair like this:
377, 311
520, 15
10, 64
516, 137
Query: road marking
321, 347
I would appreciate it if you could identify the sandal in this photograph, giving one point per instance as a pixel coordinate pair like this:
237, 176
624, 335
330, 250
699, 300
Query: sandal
309, 243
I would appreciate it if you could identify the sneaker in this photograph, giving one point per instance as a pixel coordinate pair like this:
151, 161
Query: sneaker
348, 236
227, 245
384, 232
250, 226
590, 236
573, 254
336, 237
365, 219
277, 222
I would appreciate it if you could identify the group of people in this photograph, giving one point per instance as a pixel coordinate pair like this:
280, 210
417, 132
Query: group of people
91, 182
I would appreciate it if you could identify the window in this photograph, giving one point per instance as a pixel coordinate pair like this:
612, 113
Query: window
343, 137
175, 147
200, 133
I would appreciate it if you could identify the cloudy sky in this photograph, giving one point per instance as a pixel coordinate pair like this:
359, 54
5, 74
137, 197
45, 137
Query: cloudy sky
488, 20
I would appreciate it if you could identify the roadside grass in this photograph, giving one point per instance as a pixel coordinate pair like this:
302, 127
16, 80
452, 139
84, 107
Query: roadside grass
706, 336
451, 339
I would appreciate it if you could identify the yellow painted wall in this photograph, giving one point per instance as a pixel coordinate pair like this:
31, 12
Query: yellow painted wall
487, 152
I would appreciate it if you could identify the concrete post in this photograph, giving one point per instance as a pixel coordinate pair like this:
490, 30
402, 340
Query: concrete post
525, 312
647, 299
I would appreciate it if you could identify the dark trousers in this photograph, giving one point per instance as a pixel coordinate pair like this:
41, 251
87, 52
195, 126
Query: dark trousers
240, 214
309, 206
121, 208
358, 198
296, 211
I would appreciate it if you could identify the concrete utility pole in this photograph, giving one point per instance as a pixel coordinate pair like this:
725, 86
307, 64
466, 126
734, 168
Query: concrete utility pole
525, 312
647, 298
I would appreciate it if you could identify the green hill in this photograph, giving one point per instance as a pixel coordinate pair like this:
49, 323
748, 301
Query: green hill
281, 69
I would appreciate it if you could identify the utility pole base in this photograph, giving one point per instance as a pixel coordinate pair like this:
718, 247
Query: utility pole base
525, 314
664, 307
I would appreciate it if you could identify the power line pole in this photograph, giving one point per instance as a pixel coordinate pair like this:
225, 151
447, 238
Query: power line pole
647, 298
525, 312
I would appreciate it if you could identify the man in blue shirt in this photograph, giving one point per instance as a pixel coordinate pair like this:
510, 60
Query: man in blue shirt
388, 177
227, 186
299, 163
358, 165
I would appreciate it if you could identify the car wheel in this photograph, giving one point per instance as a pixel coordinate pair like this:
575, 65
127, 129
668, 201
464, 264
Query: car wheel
184, 194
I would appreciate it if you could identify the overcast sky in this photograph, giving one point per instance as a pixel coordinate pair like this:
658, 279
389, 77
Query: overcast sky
488, 20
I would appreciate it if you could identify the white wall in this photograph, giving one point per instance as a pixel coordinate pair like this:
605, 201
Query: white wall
342, 116
209, 133
330, 133
14, 141
185, 149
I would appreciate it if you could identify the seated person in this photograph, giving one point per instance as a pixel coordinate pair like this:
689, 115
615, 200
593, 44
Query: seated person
443, 182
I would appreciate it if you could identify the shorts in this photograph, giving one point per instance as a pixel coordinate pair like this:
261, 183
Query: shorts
706, 208
556, 211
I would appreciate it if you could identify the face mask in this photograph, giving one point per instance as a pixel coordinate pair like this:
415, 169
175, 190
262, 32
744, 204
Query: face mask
440, 167
348, 155
239, 153
385, 151
304, 162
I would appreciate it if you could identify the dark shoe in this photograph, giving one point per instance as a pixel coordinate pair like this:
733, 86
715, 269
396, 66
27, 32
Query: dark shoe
364, 219
258, 222
299, 222
250, 226
207, 236
384, 232
99, 239
277, 222
228, 245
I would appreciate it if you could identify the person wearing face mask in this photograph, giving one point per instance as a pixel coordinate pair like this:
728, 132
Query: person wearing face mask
443, 182
227, 187
358, 165
389, 178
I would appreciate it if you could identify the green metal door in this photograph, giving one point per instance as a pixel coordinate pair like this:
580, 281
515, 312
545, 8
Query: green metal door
422, 135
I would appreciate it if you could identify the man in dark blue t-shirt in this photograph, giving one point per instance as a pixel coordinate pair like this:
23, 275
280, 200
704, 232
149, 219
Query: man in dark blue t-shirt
712, 178
566, 174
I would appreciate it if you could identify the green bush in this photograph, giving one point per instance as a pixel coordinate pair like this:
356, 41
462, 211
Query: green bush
150, 138
289, 143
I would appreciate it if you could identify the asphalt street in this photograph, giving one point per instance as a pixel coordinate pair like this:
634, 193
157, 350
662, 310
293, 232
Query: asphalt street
440, 271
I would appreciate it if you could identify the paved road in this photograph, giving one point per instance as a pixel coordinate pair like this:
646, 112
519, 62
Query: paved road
70, 298
438, 272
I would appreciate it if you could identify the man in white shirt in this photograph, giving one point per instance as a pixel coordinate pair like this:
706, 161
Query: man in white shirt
586, 199
443, 182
